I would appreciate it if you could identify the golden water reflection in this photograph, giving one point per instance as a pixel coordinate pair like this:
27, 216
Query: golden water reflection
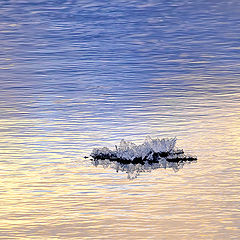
66, 198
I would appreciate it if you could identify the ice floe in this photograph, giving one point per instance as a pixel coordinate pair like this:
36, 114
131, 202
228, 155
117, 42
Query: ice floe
151, 154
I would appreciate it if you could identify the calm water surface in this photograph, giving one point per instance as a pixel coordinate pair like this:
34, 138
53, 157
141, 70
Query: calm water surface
81, 74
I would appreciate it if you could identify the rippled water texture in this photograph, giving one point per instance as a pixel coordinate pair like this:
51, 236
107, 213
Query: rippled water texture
75, 75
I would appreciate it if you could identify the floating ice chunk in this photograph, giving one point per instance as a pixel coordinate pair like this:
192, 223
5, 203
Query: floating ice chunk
133, 159
152, 150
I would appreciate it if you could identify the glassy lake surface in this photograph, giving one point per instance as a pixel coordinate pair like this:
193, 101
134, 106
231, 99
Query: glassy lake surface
81, 74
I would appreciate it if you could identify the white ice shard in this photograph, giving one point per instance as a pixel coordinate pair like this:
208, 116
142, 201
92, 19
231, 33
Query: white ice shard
126, 150
156, 145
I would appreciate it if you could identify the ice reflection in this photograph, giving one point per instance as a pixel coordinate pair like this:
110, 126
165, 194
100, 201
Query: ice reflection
133, 170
